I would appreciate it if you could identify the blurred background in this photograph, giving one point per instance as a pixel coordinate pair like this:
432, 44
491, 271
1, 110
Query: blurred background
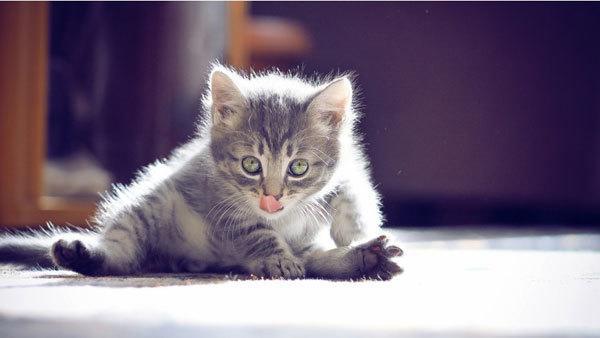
474, 113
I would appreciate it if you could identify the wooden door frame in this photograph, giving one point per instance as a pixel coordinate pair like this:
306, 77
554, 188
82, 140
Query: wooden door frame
24, 35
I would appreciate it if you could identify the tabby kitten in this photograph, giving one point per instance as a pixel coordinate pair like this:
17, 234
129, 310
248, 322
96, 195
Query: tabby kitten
275, 164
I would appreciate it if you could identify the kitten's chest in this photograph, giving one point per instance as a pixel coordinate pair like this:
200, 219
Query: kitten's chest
300, 231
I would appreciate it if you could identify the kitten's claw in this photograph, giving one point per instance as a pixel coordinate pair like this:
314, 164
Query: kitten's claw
374, 259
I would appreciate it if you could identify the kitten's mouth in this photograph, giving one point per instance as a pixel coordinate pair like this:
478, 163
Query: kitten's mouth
270, 204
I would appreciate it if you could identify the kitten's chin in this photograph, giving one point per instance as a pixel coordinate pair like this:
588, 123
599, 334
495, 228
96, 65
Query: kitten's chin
271, 216
275, 215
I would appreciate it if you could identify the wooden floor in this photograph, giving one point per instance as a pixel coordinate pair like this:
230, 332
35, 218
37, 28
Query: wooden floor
456, 283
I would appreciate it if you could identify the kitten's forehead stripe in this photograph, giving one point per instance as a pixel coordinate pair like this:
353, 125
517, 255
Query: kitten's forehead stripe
276, 119
261, 148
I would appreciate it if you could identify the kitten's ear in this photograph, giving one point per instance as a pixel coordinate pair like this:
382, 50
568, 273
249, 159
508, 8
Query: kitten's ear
332, 104
227, 99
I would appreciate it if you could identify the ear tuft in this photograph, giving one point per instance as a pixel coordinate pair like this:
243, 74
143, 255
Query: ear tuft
333, 103
227, 99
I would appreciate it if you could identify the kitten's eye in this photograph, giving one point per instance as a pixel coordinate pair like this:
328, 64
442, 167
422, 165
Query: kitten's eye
298, 167
251, 165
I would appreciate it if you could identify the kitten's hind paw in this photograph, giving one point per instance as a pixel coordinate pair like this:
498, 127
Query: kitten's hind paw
75, 256
374, 259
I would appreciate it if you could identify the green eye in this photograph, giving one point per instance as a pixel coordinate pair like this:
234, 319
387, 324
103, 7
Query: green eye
251, 164
298, 167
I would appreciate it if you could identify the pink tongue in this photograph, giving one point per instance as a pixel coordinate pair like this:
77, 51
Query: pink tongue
270, 204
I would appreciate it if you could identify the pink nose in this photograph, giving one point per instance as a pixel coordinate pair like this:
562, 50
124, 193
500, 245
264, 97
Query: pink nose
270, 204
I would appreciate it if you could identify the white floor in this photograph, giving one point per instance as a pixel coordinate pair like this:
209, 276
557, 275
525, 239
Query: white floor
520, 285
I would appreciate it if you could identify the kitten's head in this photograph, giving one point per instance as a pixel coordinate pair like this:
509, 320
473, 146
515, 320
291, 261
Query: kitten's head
275, 138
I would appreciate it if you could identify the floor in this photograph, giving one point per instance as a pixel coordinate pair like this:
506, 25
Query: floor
458, 282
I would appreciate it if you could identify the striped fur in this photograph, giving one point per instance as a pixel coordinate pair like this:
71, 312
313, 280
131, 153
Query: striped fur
198, 210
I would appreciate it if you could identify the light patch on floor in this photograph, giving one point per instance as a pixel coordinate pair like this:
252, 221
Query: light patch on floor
465, 287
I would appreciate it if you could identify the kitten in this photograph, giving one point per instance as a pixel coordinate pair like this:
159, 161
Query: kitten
275, 163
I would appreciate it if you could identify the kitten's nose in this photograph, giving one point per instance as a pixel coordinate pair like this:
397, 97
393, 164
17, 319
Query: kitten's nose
270, 203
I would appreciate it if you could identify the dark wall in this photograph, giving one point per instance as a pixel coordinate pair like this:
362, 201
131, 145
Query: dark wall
121, 81
491, 103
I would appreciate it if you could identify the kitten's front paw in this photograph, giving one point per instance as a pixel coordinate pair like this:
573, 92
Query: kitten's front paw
280, 266
374, 259
74, 256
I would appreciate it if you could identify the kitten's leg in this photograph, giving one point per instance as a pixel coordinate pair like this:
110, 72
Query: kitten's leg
266, 254
356, 216
355, 211
119, 249
369, 260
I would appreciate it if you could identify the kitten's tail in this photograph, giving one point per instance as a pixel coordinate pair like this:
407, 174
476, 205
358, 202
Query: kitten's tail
32, 249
